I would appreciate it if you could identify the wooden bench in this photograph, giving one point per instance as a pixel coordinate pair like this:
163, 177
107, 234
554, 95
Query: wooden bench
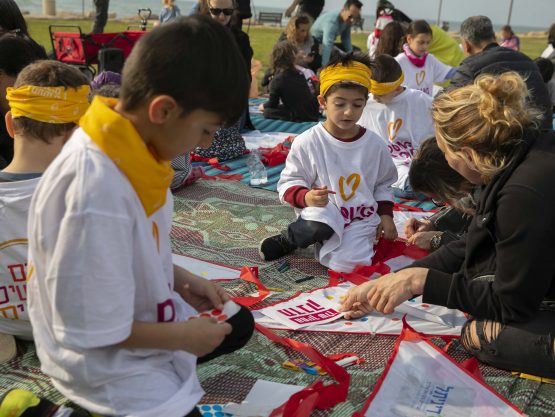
270, 17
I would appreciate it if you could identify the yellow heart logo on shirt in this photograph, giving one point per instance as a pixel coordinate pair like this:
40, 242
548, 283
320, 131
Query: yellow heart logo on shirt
420, 76
354, 178
393, 128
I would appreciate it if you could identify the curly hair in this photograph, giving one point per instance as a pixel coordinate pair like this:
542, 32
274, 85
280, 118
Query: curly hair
294, 23
488, 118
283, 56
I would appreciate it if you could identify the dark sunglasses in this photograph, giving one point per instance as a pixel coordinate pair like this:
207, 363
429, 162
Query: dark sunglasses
216, 12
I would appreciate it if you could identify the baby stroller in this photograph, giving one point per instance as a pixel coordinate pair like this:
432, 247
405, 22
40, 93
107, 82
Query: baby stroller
107, 50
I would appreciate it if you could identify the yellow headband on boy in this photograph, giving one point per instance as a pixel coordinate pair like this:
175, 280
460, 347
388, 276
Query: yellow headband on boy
355, 72
381, 89
48, 104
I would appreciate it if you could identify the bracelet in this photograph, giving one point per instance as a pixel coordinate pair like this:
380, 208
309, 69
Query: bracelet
435, 241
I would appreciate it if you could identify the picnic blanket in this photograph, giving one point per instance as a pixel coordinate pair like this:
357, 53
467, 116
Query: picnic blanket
222, 222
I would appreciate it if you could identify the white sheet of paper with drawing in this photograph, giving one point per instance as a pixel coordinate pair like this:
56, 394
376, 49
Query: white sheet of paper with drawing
426, 318
303, 311
263, 398
423, 382
400, 217
206, 270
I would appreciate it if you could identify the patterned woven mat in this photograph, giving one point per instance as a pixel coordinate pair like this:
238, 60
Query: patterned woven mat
222, 222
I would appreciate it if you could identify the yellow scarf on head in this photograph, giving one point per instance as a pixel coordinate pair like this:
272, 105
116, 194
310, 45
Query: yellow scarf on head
356, 72
117, 137
381, 89
48, 104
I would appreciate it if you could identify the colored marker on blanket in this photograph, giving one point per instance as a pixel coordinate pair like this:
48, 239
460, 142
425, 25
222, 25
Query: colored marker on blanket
331, 192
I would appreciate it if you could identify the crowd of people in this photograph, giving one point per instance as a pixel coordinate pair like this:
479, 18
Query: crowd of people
86, 179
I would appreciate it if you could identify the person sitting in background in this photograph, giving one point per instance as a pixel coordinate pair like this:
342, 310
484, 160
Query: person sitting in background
431, 175
547, 69
16, 53
549, 51
298, 32
509, 39
385, 14
335, 23
392, 39
290, 97
485, 56
12, 21
170, 11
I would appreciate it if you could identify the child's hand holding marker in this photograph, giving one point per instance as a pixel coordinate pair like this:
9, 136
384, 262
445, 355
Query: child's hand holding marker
318, 197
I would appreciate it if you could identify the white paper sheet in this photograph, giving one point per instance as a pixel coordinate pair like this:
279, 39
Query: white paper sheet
205, 269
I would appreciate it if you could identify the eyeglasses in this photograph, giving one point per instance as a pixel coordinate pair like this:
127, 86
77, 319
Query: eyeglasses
216, 12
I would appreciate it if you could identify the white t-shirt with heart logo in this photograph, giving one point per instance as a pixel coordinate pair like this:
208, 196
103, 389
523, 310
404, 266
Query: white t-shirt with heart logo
402, 124
423, 79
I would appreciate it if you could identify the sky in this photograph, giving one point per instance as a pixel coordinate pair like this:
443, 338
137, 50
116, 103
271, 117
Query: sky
535, 13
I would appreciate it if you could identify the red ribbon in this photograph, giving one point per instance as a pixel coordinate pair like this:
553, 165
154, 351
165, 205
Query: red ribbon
317, 395
251, 275
213, 162
235, 177
383, 251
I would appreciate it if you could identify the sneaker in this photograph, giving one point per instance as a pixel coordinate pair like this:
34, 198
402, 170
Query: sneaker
275, 247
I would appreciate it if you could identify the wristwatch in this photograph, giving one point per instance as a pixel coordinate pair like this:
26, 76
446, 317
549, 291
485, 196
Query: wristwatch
435, 241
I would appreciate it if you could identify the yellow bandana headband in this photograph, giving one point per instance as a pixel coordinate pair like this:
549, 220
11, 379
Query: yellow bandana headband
48, 104
381, 89
356, 72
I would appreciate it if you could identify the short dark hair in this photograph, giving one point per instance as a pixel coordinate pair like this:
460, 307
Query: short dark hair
551, 35
419, 26
283, 56
47, 73
356, 3
546, 68
15, 54
11, 18
346, 60
193, 59
430, 174
386, 69
477, 29
508, 28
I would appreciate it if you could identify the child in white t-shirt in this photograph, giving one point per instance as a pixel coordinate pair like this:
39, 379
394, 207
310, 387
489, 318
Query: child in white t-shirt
421, 68
338, 176
39, 133
115, 322
401, 116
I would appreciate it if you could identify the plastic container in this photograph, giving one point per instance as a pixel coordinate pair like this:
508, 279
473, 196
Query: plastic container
257, 170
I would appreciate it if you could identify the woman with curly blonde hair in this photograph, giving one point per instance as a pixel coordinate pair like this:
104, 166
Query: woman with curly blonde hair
503, 273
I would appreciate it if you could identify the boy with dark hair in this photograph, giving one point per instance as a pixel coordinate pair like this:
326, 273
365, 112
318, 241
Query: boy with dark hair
399, 115
39, 133
117, 326
335, 23
15, 54
338, 177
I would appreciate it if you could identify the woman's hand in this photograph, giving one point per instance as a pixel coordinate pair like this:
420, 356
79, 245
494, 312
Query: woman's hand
413, 226
386, 228
385, 293
422, 239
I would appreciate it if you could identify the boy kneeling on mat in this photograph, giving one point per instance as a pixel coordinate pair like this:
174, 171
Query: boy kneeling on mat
338, 176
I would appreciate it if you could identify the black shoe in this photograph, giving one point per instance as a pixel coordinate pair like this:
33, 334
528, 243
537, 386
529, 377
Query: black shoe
275, 247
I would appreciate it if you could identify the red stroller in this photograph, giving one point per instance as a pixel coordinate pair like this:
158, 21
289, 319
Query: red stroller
72, 46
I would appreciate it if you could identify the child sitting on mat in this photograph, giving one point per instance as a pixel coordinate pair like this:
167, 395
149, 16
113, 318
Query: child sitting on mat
338, 176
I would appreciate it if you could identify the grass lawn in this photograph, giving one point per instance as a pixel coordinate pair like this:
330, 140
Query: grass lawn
262, 38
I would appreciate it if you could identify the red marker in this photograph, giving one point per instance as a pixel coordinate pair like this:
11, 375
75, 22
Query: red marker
331, 192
